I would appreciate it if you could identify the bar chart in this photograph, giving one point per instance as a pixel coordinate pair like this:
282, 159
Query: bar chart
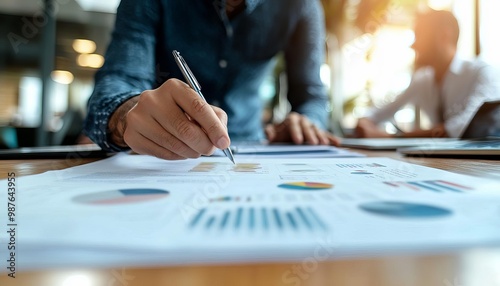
437, 186
260, 219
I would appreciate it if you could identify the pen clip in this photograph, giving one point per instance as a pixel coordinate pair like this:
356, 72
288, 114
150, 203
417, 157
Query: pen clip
186, 71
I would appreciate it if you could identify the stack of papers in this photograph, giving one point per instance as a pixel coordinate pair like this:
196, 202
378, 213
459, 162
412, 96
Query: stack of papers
132, 210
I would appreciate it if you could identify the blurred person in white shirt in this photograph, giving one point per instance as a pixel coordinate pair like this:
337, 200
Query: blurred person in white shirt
448, 89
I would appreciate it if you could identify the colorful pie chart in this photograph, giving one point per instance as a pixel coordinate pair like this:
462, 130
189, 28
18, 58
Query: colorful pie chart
123, 196
306, 186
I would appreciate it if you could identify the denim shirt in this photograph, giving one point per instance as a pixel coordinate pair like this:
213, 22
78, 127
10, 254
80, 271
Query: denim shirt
229, 57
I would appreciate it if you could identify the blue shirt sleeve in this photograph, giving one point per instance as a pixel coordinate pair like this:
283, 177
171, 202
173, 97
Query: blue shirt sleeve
304, 56
129, 67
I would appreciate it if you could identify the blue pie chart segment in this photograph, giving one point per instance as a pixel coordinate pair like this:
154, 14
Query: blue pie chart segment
404, 210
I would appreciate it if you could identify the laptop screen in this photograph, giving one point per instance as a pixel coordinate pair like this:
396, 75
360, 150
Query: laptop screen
485, 123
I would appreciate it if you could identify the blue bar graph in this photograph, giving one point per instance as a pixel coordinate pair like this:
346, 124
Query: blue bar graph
265, 222
225, 218
237, 222
277, 218
262, 219
291, 220
251, 218
197, 218
210, 222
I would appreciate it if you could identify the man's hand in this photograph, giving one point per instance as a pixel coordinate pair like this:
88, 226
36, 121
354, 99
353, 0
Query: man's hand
171, 122
298, 129
368, 129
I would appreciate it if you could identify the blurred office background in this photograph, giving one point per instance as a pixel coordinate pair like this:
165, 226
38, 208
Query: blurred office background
47, 63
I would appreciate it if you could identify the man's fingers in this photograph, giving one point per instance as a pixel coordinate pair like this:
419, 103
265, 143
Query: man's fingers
153, 131
322, 136
293, 122
173, 120
143, 145
333, 140
310, 135
221, 114
270, 131
200, 111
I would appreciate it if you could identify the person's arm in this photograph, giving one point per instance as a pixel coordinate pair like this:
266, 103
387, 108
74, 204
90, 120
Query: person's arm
304, 55
307, 95
128, 70
169, 122
387, 111
437, 131
367, 126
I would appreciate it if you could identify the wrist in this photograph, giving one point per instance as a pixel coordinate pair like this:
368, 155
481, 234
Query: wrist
118, 123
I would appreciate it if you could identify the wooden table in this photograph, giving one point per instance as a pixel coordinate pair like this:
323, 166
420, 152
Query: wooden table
471, 267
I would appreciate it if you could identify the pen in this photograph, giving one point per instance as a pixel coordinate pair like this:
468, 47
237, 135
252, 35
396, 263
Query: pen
193, 83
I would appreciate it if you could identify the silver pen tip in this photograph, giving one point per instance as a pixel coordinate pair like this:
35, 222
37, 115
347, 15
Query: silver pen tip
229, 154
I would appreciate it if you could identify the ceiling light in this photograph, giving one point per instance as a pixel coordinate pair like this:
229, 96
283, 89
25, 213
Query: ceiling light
62, 77
107, 6
91, 61
83, 46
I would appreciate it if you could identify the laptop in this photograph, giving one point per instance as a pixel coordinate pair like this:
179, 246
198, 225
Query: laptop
390, 143
54, 152
484, 124
481, 138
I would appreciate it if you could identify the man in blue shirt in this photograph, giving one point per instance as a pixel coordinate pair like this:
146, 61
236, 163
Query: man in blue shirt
140, 103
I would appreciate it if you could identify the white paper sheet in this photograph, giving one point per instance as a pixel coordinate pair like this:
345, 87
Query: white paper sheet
261, 209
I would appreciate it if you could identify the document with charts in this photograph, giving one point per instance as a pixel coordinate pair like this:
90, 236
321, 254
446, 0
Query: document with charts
209, 210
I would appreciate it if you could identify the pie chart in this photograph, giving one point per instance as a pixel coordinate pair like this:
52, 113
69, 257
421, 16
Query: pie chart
121, 196
404, 210
306, 186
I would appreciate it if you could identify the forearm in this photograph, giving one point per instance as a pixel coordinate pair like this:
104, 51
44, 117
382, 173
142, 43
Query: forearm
129, 69
304, 55
436, 132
